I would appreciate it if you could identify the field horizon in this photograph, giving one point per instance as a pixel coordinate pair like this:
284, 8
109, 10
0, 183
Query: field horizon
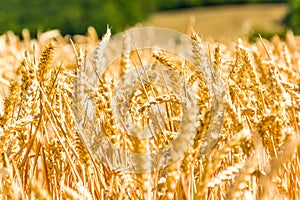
225, 22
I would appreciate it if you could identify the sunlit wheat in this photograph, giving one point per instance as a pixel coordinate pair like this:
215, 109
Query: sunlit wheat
257, 154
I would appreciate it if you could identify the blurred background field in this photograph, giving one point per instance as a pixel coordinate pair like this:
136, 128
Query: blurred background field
225, 22
218, 19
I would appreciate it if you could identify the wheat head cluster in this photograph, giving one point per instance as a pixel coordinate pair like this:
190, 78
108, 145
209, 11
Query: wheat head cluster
43, 156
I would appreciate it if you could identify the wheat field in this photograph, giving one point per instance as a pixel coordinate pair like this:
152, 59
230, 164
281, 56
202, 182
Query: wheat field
42, 155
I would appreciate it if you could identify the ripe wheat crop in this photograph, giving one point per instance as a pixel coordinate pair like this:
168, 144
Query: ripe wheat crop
42, 155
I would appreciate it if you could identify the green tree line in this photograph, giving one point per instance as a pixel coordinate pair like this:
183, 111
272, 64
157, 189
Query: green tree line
74, 17
71, 17
167, 4
293, 18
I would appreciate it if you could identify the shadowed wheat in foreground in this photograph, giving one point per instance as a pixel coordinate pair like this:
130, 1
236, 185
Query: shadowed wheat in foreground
42, 155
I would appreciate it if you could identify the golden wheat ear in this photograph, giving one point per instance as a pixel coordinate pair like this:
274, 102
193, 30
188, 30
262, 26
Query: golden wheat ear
43, 71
